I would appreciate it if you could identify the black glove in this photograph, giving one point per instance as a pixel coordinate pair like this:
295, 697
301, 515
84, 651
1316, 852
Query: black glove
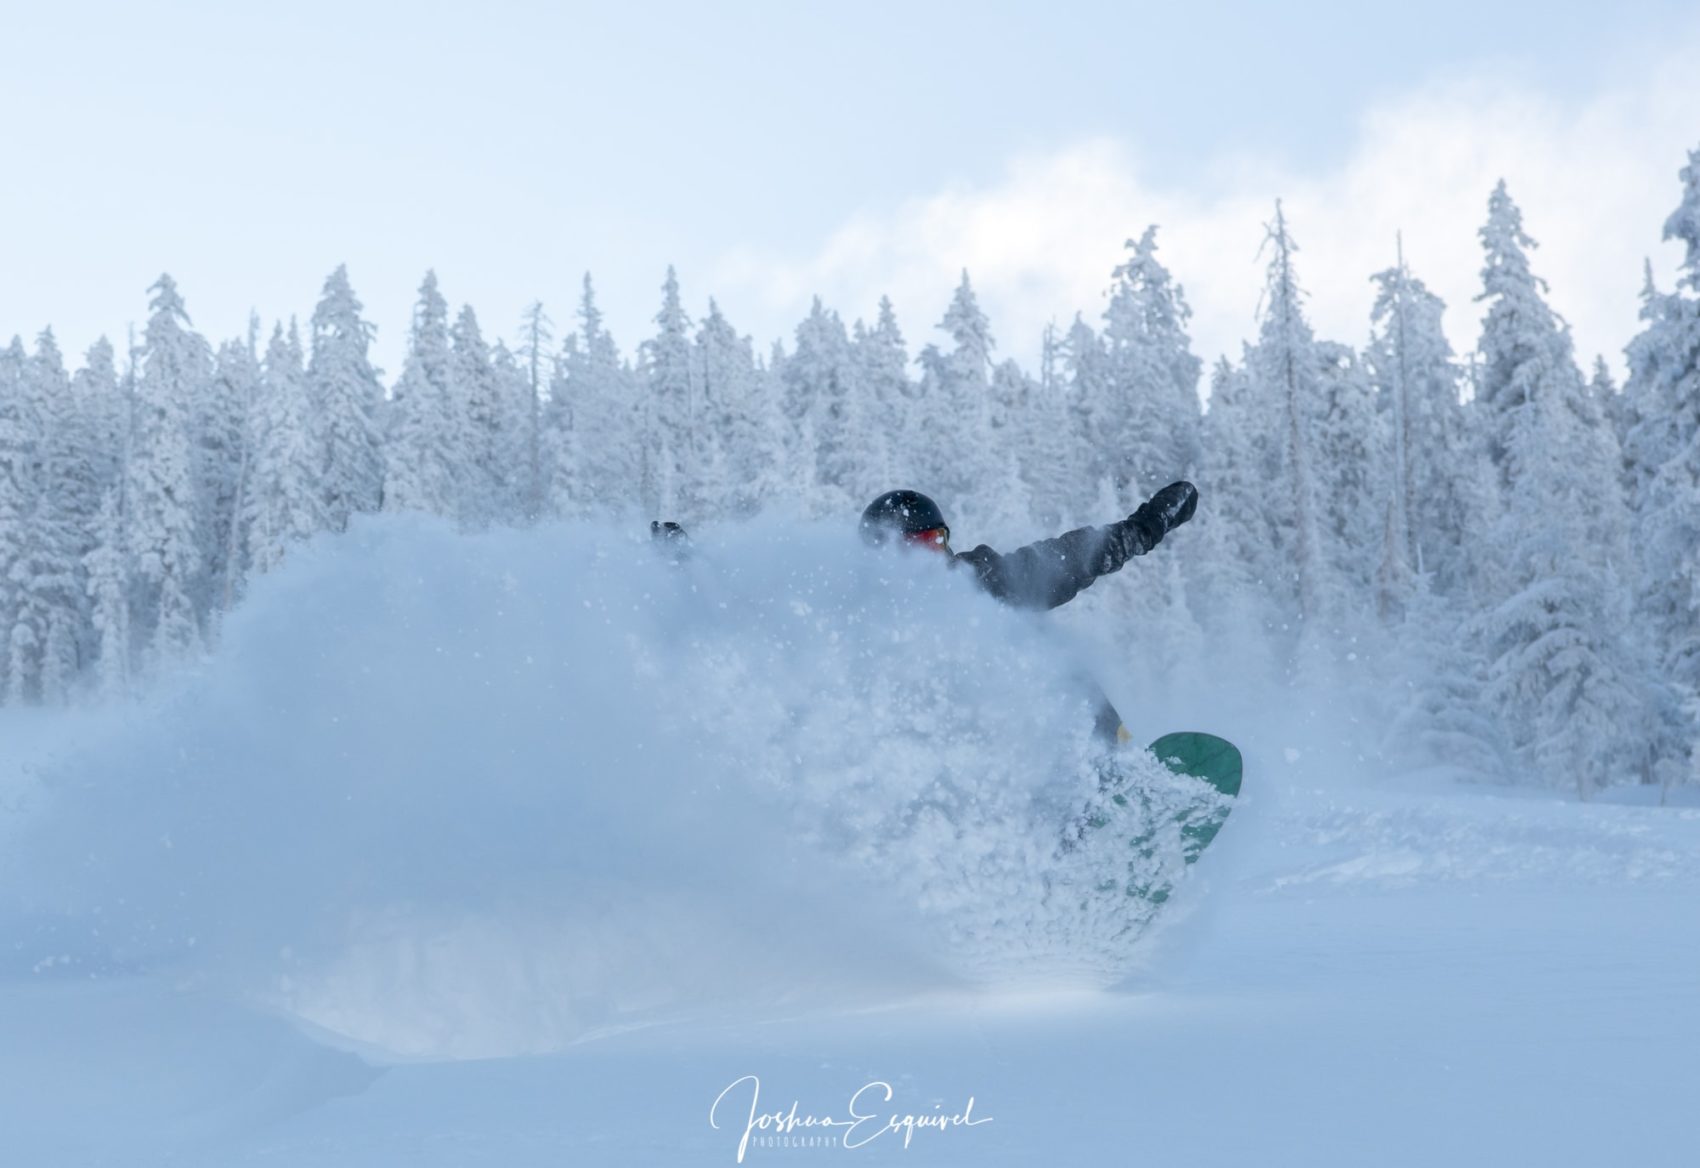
1163, 512
1175, 503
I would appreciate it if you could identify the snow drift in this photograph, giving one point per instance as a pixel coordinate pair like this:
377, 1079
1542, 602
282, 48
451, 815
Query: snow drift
461, 796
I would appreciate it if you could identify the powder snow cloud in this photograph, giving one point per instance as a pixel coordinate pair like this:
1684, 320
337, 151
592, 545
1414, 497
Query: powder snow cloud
1595, 179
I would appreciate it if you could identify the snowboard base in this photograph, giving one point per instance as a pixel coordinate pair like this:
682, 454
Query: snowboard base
1171, 833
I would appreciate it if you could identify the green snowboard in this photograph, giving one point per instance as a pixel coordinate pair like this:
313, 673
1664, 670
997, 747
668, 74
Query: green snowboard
1203, 756
1152, 867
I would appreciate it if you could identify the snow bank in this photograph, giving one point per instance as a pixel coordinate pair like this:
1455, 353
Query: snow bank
461, 796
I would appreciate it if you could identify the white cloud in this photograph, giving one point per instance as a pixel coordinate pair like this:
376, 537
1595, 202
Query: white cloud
1595, 179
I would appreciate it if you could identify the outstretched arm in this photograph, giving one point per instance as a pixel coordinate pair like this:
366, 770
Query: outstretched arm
1055, 571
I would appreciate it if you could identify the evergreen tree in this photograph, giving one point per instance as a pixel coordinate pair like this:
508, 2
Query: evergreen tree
223, 457
109, 583
881, 360
286, 504
346, 399
1085, 377
160, 489
63, 521
737, 425
1286, 378
819, 396
486, 427
1239, 561
1524, 344
1049, 456
20, 488
957, 386
514, 401
594, 423
1146, 430
428, 447
565, 482
1563, 678
1440, 716
671, 461
537, 333
1664, 389
1351, 452
104, 408
1412, 369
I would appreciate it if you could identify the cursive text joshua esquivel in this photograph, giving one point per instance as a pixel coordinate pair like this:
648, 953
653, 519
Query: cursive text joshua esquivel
861, 1125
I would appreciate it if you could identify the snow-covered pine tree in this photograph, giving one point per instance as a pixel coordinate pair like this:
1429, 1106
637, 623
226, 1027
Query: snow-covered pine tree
285, 504
109, 583
565, 483
1084, 378
882, 373
1146, 430
1664, 389
103, 404
736, 424
485, 425
1351, 450
1561, 674
1286, 379
105, 411
668, 412
346, 398
221, 456
537, 334
963, 466
428, 446
513, 393
1565, 680
1526, 352
1010, 399
818, 398
1648, 424
594, 438
20, 487
1241, 553
29, 620
160, 494
1050, 462
1439, 714
64, 520
1523, 343
1417, 380
88, 444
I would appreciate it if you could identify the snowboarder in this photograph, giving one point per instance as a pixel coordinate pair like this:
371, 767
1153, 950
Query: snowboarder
1041, 575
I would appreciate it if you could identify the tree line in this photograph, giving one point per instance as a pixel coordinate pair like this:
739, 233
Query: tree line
1517, 540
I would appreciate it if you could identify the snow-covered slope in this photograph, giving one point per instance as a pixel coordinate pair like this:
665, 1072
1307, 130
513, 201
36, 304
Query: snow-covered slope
523, 849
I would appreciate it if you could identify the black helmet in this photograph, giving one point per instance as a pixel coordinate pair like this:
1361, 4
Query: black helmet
901, 513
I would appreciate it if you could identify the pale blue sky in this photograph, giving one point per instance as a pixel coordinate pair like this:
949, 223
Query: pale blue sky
249, 150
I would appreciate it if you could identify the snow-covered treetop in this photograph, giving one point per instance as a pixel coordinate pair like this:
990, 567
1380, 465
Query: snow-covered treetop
338, 314
972, 332
1283, 299
1144, 300
1684, 222
1506, 244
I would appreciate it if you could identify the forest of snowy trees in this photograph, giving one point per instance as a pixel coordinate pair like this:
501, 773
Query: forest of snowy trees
1516, 541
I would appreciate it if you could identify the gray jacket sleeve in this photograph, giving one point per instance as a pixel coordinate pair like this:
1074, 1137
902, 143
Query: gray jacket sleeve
1054, 571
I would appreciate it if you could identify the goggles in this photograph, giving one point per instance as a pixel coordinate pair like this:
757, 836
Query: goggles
937, 538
